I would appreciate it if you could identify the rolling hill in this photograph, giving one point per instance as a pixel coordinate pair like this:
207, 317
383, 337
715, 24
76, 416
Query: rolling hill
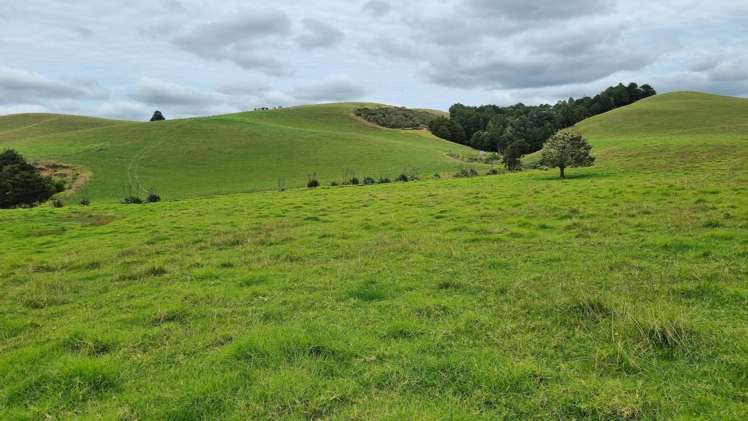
618, 293
226, 154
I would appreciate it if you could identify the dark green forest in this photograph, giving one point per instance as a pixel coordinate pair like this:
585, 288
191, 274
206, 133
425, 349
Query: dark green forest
521, 129
396, 117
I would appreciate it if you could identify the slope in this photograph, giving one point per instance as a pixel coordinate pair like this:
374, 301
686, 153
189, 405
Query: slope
618, 293
24, 126
239, 152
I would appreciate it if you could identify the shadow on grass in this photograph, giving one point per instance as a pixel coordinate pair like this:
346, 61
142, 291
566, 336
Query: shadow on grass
554, 176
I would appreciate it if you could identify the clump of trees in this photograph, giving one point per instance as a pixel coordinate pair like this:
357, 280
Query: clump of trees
567, 149
21, 184
158, 116
520, 129
396, 117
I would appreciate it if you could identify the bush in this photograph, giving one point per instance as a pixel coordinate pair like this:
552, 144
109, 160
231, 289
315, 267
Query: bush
384, 180
466, 172
369, 181
436, 176
313, 183
152, 197
21, 184
132, 200
403, 177
493, 171
334, 183
355, 181
85, 202
57, 203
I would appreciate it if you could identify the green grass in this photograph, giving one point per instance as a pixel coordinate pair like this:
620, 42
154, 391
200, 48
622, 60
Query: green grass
619, 293
226, 154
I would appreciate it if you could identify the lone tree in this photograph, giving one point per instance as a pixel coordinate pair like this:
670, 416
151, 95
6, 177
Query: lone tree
21, 184
567, 149
157, 116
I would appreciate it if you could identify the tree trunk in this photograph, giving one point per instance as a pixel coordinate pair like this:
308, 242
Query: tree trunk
562, 172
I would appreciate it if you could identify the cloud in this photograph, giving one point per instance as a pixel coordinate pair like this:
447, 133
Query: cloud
524, 10
377, 8
733, 70
126, 110
159, 93
319, 34
390, 48
510, 72
23, 87
336, 88
515, 44
239, 39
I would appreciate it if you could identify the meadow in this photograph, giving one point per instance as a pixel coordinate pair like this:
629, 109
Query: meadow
226, 154
618, 293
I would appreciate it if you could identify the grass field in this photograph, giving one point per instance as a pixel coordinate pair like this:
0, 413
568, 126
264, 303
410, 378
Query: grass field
226, 154
618, 293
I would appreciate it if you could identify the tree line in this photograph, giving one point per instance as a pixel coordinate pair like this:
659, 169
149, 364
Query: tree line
520, 129
396, 117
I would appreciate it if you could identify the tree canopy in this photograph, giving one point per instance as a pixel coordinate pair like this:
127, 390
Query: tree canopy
567, 149
494, 129
158, 116
21, 184
396, 117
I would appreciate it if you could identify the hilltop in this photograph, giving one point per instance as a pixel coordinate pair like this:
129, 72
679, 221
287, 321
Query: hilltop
618, 293
229, 153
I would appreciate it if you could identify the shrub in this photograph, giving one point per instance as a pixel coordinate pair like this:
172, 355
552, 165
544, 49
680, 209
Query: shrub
313, 183
158, 116
437, 176
57, 203
384, 180
152, 197
21, 184
85, 202
132, 200
403, 177
334, 183
355, 181
369, 181
466, 172
493, 171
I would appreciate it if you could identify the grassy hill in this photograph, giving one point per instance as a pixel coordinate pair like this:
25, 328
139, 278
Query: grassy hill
226, 154
618, 293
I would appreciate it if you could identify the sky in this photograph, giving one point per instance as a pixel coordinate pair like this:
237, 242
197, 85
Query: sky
198, 57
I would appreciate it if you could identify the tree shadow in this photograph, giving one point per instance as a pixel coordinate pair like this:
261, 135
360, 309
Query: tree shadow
554, 176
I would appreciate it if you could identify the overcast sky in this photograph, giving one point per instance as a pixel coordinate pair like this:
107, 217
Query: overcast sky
198, 57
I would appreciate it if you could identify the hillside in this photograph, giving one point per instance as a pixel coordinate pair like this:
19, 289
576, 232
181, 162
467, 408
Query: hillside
25, 126
669, 114
618, 293
226, 154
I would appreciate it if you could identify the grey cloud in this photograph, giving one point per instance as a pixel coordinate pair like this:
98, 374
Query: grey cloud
391, 48
377, 8
338, 88
237, 39
20, 86
82, 31
319, 34
508, 72
735, 70
158, 93
539, 10
125, 110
